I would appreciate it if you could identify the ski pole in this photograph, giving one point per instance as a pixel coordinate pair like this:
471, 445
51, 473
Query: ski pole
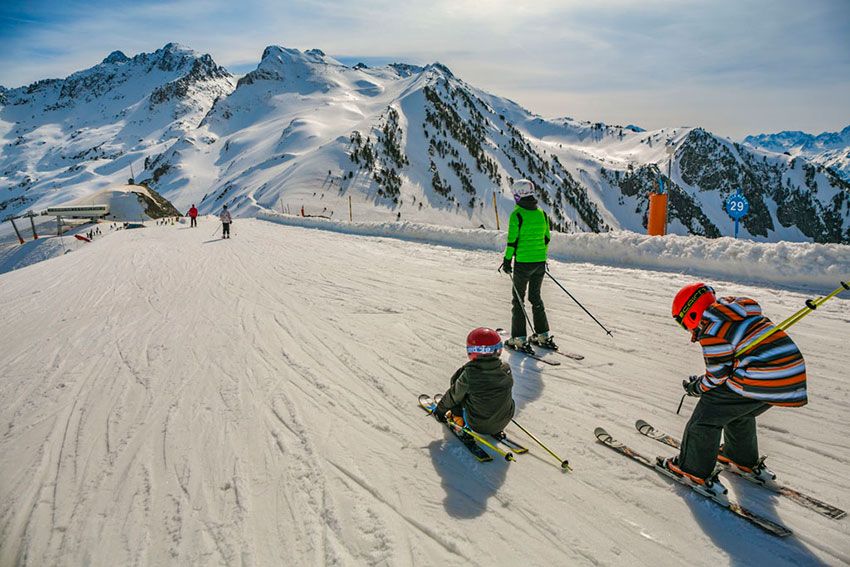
577, 302
216, 230
682, 401
521, 303
508, 456
565, 464
811, 305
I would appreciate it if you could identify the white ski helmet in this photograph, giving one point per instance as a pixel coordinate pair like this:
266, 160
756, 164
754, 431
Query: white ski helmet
522, 188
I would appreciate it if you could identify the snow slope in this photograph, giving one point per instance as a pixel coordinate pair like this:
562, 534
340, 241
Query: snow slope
177, 399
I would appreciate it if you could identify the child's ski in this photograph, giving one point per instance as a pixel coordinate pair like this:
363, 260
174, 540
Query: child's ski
760, 521
809, 502
427, 403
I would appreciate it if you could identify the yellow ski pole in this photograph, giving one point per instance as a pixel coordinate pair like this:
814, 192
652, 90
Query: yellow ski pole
507, 455
565, 464
811, 305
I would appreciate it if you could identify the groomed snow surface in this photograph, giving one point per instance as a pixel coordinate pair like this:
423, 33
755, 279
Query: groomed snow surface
169, 398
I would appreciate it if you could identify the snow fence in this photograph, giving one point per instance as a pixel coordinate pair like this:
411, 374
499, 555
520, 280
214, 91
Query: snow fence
794, 264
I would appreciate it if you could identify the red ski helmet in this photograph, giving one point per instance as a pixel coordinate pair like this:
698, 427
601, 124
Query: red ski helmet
690, 303
483, 341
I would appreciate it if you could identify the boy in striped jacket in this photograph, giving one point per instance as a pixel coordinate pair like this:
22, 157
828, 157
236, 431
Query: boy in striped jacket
739, 383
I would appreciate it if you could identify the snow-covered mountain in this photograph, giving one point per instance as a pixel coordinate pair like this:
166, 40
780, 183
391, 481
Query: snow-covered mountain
65, 138
830, 149
393, 142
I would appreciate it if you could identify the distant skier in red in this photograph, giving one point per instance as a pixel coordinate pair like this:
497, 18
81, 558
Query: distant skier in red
193, 216
225, 219
736, 388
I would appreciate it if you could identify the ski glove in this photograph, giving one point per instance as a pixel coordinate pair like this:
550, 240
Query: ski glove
692, 386
506, 266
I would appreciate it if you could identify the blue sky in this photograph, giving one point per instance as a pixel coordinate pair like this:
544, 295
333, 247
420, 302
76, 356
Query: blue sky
735, 67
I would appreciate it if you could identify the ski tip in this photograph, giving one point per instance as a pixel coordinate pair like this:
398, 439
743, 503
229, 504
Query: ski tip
601, 434
426, 402
643, 426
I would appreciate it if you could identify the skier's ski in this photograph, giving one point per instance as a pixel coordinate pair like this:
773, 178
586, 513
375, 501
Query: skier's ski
427, 403
510, 443
527, 351
800, 498
572, 355
759, 521
531, 354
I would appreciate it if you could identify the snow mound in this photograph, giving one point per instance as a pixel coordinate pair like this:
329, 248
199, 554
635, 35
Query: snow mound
793, 264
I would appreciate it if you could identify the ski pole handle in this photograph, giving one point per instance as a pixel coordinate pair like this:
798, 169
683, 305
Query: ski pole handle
811, 305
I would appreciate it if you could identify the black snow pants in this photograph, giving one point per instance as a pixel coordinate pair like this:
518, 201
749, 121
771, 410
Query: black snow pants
528, 275
225, 233
194, 222
721, 410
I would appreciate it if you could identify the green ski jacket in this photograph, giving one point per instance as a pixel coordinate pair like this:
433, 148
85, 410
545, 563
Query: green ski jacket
528, 234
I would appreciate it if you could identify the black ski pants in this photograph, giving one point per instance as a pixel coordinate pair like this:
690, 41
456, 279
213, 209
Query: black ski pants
721, 410
225, 232
528, 276
194, 222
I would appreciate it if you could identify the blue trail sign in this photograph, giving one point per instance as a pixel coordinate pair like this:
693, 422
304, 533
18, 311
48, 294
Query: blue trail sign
737, 206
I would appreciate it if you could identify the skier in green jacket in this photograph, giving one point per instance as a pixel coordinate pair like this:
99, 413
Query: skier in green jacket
528, 242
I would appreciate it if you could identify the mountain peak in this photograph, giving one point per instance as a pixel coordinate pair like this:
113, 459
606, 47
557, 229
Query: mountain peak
289, 55
291, 65
437, 66
115, 57
174, 47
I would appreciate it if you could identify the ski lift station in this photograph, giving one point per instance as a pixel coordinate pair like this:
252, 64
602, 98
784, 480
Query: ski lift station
78, 212
131, 204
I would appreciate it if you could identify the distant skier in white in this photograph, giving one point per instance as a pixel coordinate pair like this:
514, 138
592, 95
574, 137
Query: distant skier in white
225, 219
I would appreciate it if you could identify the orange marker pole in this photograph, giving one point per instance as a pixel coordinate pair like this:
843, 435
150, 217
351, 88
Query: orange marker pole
657, 223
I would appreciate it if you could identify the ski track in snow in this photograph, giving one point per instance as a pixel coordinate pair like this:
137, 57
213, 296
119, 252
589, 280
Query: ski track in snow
171, 398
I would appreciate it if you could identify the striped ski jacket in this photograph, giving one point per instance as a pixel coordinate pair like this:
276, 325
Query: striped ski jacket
773, 372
